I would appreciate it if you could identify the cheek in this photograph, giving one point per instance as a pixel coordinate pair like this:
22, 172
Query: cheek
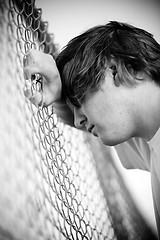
118, 122
114, 130
113, 119
95, 114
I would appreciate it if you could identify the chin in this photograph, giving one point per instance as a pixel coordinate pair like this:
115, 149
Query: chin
111, 142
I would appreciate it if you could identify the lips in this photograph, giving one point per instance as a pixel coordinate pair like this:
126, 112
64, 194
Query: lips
90, 129
95, 134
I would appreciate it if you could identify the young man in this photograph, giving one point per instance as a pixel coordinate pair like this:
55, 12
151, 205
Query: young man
107, 81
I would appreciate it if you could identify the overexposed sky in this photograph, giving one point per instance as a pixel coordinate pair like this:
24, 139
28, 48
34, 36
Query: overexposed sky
68, 18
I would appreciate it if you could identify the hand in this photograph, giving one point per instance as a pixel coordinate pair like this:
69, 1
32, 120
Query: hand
39, 65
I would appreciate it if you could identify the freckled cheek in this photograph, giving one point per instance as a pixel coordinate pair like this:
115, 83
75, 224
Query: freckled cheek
112, 125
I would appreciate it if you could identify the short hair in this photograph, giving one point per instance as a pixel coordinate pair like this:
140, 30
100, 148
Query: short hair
82, 63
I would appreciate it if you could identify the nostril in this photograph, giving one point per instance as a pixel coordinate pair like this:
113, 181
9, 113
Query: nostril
82, 122
79, 118
79, 124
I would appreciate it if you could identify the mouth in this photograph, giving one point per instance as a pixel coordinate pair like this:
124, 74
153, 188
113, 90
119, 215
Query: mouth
90, 129
95, 134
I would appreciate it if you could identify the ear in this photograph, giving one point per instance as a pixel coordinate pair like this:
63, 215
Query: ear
113, 67
116, 80
115, 75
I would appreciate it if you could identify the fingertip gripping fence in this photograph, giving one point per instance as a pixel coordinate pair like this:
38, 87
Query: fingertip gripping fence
55, 182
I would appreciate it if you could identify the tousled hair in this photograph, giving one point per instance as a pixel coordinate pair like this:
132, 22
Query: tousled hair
120, 46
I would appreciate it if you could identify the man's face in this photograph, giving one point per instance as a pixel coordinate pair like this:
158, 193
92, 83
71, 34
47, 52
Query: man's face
108, 113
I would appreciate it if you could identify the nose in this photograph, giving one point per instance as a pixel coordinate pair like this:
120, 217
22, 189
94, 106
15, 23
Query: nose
79, 118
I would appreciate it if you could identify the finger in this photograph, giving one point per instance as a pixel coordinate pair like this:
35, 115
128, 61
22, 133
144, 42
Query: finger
37, 99
27, 89
30, 71
29, 57
34, 96
25, 60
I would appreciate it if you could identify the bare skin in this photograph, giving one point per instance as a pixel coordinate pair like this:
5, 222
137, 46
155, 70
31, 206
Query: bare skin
113, 114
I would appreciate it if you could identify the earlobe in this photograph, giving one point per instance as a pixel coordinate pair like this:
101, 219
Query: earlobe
116, 80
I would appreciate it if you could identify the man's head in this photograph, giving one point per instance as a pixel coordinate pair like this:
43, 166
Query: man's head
119, 46
100, 71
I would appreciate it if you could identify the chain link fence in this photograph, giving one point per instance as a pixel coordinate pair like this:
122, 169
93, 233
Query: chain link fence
55, 182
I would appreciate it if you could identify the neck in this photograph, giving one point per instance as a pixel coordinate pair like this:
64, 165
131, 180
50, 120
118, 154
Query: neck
148, 101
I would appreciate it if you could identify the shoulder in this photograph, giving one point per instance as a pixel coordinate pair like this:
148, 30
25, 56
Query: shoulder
134, 154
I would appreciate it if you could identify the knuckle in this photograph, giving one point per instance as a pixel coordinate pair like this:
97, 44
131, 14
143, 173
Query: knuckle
30, 70
30, 51
31, 56
26, 73
25, 60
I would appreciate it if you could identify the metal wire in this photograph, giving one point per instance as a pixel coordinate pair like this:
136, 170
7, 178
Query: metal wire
50, 185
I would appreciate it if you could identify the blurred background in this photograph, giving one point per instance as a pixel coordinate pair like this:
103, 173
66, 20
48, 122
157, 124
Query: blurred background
68, 18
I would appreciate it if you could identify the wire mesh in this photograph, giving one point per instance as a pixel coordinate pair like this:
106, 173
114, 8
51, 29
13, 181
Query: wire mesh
50, 185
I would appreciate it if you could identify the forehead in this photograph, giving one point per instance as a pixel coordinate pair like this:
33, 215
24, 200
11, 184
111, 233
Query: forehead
80, 80
75, 97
